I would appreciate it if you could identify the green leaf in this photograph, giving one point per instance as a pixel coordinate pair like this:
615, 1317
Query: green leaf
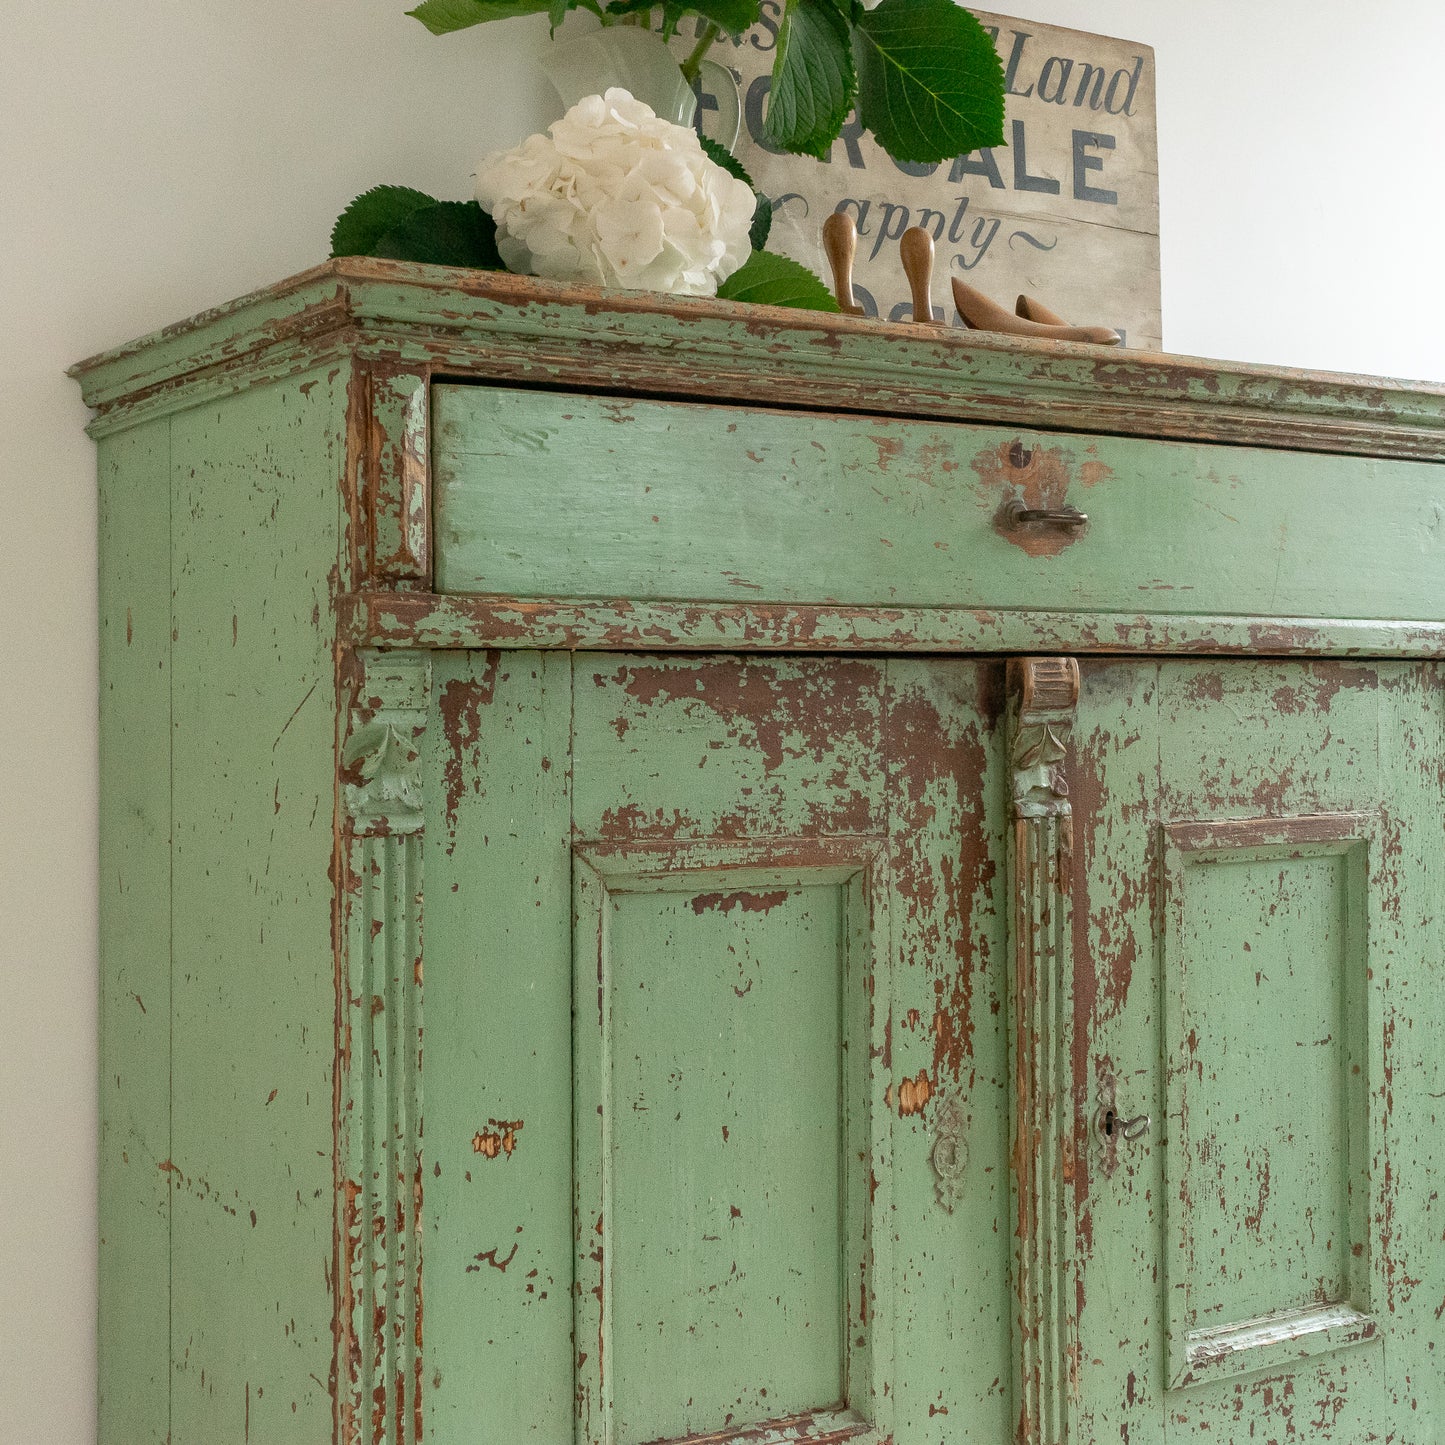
762, 222
445, 233
371, 215
443, 16
733, 16
556, 13
768, 279
720, 155
930, 85
813, 79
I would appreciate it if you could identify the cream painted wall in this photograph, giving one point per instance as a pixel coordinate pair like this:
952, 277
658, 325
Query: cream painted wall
157, 157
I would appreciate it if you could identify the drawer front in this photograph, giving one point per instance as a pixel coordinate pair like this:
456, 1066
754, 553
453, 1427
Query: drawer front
546, 494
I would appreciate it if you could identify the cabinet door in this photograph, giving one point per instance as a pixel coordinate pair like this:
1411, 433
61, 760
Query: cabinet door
716, 1069
1258, 967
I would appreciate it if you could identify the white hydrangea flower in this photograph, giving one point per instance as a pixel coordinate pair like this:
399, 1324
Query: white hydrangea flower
617, 196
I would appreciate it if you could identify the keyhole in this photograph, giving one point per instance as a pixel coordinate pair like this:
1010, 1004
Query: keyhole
1114, 1126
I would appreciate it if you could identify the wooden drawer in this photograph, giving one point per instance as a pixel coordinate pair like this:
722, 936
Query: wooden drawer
542, 494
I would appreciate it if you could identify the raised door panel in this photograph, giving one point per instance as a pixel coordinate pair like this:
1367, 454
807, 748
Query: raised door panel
727, 1133
1259, 845
1270, 1059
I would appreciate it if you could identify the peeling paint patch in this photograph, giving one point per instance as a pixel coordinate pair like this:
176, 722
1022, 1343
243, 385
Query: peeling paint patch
745, 901
914, 1094
498, 1138
1040, 478
494, 1258
459, 706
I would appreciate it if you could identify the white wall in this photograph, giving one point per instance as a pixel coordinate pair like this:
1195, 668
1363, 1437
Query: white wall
157, 157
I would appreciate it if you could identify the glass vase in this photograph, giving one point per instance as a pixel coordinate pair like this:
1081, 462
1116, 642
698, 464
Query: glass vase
639, 61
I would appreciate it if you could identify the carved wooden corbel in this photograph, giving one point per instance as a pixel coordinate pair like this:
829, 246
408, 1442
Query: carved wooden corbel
1043, 697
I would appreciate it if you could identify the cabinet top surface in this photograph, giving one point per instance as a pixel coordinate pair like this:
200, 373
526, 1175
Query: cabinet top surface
493, 326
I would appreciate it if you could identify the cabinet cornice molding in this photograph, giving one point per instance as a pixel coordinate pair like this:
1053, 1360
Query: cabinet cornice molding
498, 327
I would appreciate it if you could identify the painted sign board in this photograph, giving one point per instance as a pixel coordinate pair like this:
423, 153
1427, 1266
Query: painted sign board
1067, 211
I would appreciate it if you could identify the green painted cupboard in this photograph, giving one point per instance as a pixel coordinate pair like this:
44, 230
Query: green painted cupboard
678, 871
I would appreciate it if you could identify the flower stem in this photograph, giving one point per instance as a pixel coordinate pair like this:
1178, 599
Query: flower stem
693, 62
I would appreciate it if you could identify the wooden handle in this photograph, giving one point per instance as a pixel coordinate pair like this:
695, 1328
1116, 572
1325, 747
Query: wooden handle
840, 244
916, 249
984, 315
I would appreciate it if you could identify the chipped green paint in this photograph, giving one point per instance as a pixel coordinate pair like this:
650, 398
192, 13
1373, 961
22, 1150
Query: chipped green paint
1247, 834
773, 1002
487, 323
135, 915
498, 1228
909, 514
1046, 1137
1275, 914
380, 1120
253, 543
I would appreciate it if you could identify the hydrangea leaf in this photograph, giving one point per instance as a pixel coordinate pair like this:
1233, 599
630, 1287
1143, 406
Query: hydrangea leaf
930, 84
768, 279
371, 215
445, 233
762, 222
443, 16
814, 81
732, 16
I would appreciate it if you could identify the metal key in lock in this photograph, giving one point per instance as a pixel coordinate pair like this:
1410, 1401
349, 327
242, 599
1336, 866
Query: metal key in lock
1113, 1125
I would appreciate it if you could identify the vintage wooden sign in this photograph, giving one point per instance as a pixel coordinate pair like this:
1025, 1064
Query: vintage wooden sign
1068, 211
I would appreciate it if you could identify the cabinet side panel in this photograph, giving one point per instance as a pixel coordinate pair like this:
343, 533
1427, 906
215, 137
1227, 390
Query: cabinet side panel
498, 1178
135, 945
256, 509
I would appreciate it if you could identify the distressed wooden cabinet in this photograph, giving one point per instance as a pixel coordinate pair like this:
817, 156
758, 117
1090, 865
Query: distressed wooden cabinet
894, 972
